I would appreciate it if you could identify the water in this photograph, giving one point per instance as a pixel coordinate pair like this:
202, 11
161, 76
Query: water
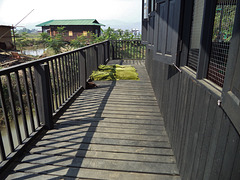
37, 52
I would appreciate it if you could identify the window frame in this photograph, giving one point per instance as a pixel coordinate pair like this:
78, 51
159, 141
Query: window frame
231, 100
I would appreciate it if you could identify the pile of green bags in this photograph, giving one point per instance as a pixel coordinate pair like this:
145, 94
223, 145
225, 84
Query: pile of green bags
114, 72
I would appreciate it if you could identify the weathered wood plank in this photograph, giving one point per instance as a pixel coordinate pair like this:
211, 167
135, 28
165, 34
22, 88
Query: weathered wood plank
107, 135
109, 141
107, 148
115, 131
89, 173
103, 155
105, 164
159, 122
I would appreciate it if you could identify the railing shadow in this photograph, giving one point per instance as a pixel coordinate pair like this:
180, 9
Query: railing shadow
86, 140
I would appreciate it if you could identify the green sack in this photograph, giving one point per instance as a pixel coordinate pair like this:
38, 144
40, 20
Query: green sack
115, 72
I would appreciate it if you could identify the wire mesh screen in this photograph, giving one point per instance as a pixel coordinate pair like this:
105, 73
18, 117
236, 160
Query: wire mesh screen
222, 33
195, 34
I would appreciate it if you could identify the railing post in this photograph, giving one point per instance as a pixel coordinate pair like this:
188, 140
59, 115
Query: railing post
112, 44
83, 69
42, 77
97, 58
108, 51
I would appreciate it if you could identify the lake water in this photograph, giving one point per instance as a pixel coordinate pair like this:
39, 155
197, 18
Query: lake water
37, 52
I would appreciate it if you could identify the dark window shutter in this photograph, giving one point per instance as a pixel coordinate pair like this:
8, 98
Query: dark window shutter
231, 87
151, 23
167, 30
144, 31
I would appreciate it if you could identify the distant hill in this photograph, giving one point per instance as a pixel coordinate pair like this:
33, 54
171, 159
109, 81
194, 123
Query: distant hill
116, 24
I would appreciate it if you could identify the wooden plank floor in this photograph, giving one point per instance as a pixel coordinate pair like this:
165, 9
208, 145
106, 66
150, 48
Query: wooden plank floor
111, 132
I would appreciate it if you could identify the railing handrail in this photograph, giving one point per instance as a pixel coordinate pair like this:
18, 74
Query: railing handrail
58, 78
49, 85
43, 60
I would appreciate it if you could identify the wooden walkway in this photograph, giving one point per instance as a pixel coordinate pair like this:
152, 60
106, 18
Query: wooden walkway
111, 132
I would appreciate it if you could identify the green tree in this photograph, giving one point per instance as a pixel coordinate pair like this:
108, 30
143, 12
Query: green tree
57, 41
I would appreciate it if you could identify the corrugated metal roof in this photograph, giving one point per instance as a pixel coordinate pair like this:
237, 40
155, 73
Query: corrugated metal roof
68, 22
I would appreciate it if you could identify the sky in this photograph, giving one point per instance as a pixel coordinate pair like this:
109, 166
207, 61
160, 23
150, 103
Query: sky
124, 14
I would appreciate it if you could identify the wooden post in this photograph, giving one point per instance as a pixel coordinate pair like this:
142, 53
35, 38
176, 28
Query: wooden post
108, 51
43, 89
83, 69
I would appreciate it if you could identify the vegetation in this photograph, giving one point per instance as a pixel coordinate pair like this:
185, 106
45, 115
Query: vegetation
223, 24
56, 44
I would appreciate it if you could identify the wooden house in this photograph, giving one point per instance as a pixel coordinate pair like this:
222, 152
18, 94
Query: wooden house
73, 27
6, 42
193, 60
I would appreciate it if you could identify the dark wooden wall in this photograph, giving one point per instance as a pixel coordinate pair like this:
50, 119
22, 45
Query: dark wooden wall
205, 142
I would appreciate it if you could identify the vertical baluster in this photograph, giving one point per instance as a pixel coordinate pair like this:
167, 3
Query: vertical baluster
70, 72
139, 49
135, 49
28, 99
116, 50
34, 96
2, 151
78, 69
122, 49
21, 105
54, 85
65, 76
51, 87
132, 49
74, 72
57, 77
13, 107
61, 77
83, 69
68, 75
108, 50
127, 50
6, 118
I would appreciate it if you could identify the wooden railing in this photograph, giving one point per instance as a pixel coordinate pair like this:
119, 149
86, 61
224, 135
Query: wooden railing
128, 49
35, 93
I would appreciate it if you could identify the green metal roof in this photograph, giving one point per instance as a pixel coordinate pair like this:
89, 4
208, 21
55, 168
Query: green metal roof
71, 22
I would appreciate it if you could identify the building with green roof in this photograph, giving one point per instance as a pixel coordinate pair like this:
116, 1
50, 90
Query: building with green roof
74, 27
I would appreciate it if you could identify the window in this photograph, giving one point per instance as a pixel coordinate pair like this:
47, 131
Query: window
222, 34
166, 32
195, 34
85, 33
70, 33
231, 88
211, 32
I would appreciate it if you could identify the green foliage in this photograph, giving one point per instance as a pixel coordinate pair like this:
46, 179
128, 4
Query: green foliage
223, 24
25, 39
56, 42
107, 34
